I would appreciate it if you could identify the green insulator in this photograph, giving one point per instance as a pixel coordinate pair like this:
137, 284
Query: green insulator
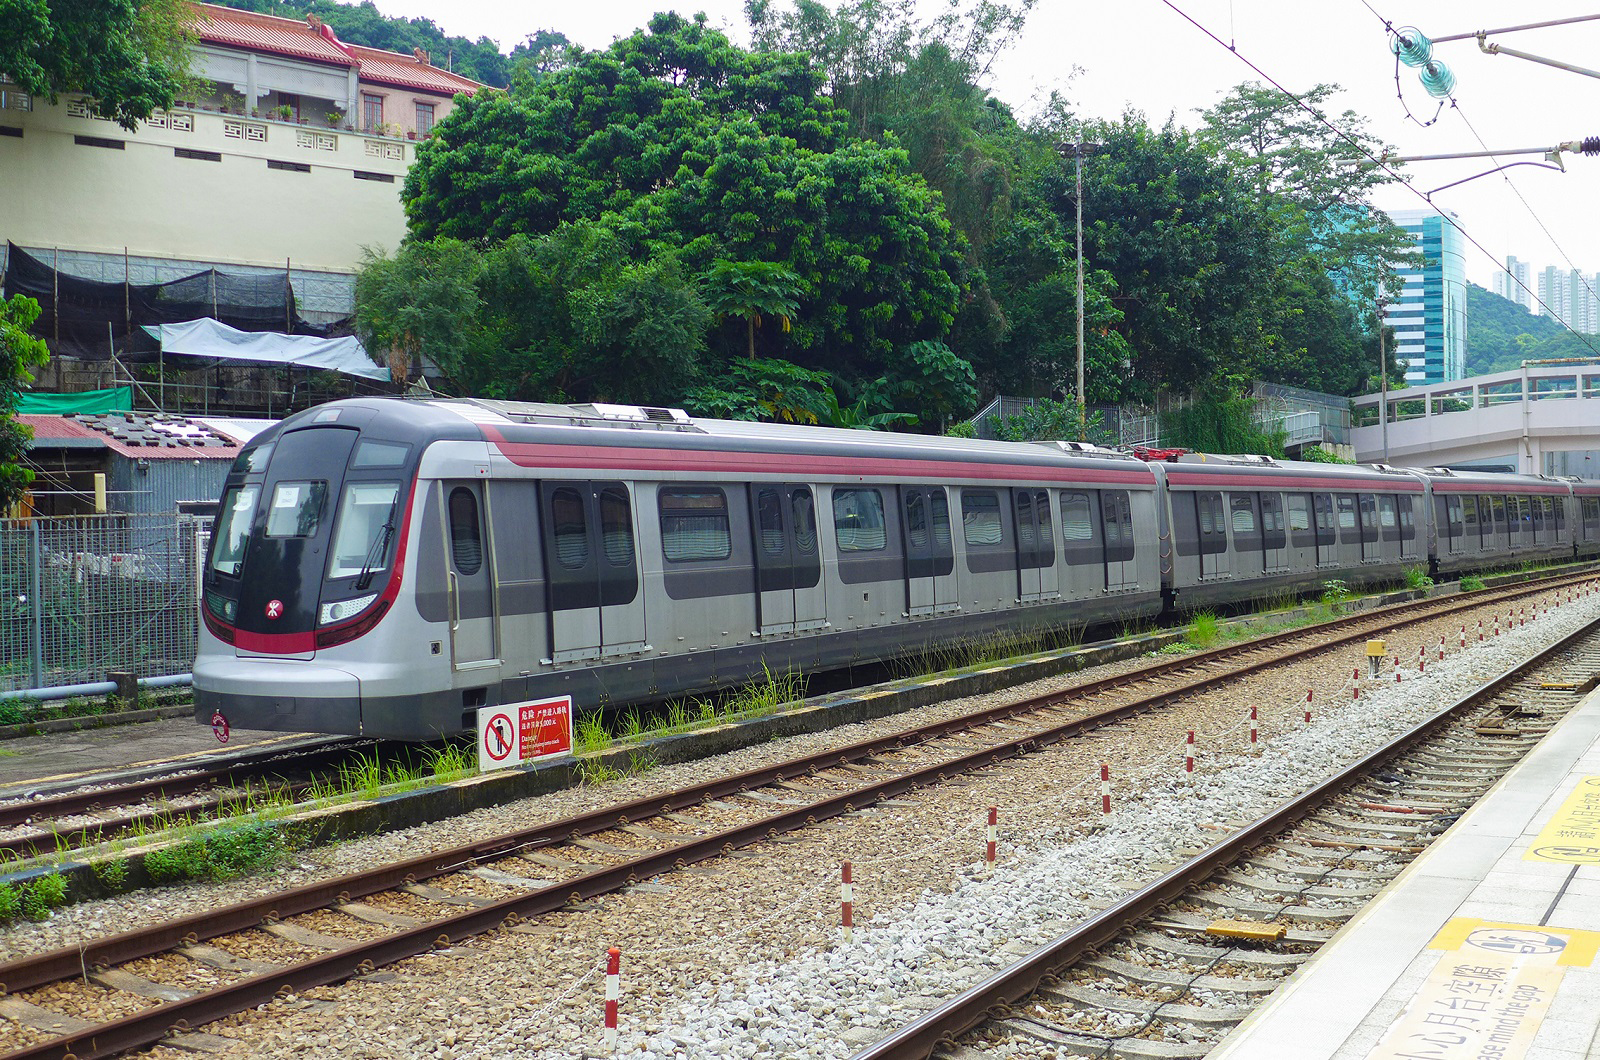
1410, 46
1438, 80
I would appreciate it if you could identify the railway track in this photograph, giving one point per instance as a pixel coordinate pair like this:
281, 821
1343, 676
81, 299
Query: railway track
1166, 972
75, 819
166, 977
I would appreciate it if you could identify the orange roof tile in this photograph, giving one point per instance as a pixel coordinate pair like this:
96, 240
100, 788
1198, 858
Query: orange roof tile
392, 68
268, 33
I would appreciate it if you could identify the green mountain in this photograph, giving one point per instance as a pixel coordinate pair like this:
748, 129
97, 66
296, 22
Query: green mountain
1501, 335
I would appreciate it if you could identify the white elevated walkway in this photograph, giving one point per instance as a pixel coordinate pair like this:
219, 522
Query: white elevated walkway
1513, 418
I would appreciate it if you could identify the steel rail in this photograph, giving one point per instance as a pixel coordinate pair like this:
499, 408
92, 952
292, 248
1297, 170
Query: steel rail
918, 1039
153, 1024
67, 961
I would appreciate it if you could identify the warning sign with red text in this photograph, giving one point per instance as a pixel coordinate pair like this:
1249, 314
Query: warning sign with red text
517, 733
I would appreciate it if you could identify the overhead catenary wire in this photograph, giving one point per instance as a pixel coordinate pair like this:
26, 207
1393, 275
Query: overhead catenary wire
1376, 161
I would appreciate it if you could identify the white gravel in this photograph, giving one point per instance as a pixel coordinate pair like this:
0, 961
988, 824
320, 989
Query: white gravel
827, 1002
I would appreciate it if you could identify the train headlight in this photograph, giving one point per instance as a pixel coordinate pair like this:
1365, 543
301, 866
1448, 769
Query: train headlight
222, 607
343, 609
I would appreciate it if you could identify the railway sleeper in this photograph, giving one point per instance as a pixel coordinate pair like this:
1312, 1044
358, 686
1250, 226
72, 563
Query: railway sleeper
1268, 886
1236, 908
1167, 977
1083, 997
1318, 872
1196, 951
1085, 1045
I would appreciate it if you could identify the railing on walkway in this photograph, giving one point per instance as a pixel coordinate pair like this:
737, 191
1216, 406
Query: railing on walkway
83, 597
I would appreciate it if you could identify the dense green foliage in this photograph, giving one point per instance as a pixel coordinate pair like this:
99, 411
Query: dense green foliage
1219, 421
19, 352
365, 25
842, 226
129, 56
1501, 335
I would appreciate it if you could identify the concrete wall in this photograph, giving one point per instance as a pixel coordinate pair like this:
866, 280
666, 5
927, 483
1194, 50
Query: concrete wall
312, 209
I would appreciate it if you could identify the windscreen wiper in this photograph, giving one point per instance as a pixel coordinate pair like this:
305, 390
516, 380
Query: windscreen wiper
375, 554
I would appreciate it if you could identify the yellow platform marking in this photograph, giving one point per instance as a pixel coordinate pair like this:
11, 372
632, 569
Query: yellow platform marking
1572, 834
1489, 992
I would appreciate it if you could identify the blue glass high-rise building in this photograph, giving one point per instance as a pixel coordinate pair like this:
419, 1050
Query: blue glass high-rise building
1430, 317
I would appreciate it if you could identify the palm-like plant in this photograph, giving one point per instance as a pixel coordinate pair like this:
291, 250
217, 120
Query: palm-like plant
750, 289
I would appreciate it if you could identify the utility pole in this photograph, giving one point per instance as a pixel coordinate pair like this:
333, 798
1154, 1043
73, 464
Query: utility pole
1383, 374
1079, 149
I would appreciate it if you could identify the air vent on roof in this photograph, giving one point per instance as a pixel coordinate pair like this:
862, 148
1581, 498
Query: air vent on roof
595, 415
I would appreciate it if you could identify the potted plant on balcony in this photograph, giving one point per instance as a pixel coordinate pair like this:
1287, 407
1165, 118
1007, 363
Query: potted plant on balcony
333, 118
285, 113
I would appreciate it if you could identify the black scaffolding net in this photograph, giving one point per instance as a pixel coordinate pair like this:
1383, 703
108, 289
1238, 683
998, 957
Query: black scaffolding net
88, 318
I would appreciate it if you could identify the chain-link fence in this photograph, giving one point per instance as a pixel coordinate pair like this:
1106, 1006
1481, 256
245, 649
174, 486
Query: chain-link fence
83, 597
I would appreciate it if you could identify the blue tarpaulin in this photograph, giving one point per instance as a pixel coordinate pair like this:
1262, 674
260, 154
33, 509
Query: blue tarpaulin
208, 338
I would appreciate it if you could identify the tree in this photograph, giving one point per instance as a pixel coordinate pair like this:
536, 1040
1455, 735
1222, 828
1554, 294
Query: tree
561, 317
679, 142
19, 352
747, 289
129, 56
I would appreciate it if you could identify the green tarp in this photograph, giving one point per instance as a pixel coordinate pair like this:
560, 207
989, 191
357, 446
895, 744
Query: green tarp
117, 399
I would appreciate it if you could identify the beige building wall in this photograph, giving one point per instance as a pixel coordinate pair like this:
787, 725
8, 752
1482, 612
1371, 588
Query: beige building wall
198, 185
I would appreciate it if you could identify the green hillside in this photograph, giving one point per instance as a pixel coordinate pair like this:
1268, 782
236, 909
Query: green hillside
1501, 335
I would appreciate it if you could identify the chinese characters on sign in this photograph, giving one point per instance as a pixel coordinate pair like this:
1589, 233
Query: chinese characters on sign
523, 732
1572, 834
1489, 993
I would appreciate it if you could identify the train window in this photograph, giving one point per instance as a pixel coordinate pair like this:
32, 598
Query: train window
252, 461
916, 520
571, 528
1047, 534
1347, 511
1388, 520
858, 523
980, 517
1369, 518
1591, 512
769, 522
804, 510
1244, 513
296, 509
616, 527
939, 510
1408, 524
1558, 512
234, 516
1322, 508
379, 454
1025, 527
1116, 514
1272, 521
1213, 525
466, 537
363, 529
1299, 512
1469, 516
694, 525
1078, 528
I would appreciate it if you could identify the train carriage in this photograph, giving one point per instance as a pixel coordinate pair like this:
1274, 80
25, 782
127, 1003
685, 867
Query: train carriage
1481, 520
1244, 527
387, 567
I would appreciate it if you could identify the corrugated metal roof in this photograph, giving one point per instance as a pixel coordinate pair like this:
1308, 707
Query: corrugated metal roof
392, 68
138, 436
236, 430
283, 36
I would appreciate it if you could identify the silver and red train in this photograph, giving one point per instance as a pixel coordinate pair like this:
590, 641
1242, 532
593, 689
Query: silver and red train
387, 567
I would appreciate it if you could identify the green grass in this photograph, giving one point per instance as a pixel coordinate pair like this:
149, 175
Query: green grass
221, 854
1204, 631
1417, 578
1471, 583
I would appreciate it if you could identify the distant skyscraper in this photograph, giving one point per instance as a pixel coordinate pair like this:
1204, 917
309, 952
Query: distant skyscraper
1516, 282
1430, 318
1571, 298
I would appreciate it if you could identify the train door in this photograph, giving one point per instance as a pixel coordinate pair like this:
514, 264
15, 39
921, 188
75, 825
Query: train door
788, 569
1036, 545
930, 554
1117, 525
1274, 539
1214, 561
471, 581
593, 582
1367, 517
1327, 548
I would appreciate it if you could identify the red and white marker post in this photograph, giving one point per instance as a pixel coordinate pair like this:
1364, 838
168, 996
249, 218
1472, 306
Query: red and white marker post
1105, 790
1309, 693
1188, 754
1254, 730
847, 902
613, 993
991, 838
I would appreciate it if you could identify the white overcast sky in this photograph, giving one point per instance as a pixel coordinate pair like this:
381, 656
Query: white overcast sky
1145, 54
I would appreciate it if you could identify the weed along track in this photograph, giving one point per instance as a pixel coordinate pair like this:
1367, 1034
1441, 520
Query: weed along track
755, 848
